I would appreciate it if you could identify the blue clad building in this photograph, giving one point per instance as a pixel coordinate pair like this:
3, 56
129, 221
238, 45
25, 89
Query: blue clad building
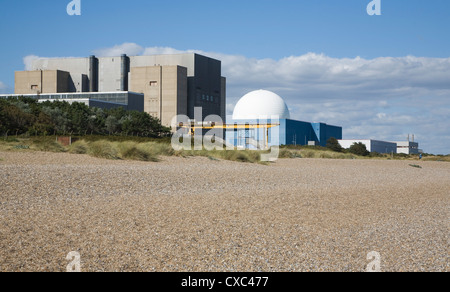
303, 133
264, 121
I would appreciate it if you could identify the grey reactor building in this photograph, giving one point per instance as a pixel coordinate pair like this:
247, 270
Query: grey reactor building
161, 85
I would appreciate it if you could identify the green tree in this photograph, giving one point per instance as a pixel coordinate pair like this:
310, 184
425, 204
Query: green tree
97, 121
333, 144
43, 125
111, 124
3, 118
15, 120
79, 115
59, 119
26, 115
359, 149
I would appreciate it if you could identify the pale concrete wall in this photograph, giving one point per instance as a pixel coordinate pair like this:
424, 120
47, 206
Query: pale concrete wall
28, 82
165, 90
49, 81
183, 60
77, 67
109, 74
32, 82
174, 93
406, 147
78, 83
147, 80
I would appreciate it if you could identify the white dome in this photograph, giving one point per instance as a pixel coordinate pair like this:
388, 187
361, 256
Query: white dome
261, 104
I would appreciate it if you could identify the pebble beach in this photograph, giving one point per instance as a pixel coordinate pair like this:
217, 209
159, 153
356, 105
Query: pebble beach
200, 215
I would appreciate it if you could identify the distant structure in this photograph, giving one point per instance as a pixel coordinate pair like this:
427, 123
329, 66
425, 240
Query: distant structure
372, 145
408, 147
257, 109
383, 147
162, 85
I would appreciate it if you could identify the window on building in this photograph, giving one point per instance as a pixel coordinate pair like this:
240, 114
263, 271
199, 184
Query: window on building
153, 83
34, 87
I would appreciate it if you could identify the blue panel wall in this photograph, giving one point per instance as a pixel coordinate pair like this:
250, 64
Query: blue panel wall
324, 132
290, 132
299, 133
383, 147
334, 132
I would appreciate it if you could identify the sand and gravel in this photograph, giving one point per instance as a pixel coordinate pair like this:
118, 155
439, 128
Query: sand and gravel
195, 214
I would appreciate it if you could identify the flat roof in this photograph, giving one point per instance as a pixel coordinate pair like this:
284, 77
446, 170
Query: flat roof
69, 93
370, 140
85, 99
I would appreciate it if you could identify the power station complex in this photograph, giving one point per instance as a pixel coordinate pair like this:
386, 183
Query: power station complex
161, 85
168, 86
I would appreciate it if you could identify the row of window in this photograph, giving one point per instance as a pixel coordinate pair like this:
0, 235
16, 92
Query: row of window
119, 98
209, 98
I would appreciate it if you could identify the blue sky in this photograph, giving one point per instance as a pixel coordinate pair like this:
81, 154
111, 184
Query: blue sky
410, 37
260, 29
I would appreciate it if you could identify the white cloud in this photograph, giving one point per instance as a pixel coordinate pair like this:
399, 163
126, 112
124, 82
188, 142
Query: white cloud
162, 51
28, 61
130, 49
2, 85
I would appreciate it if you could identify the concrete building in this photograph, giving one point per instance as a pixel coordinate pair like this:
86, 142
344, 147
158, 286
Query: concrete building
267, 122
404, 147
407, 147
172, 84
36, 82
166, 93
83, 72
372, 145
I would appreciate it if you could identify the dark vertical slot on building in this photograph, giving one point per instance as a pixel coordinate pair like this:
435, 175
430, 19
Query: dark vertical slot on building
124, 69
93, 74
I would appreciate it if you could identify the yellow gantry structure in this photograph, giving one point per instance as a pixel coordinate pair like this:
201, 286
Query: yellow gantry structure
238, 126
